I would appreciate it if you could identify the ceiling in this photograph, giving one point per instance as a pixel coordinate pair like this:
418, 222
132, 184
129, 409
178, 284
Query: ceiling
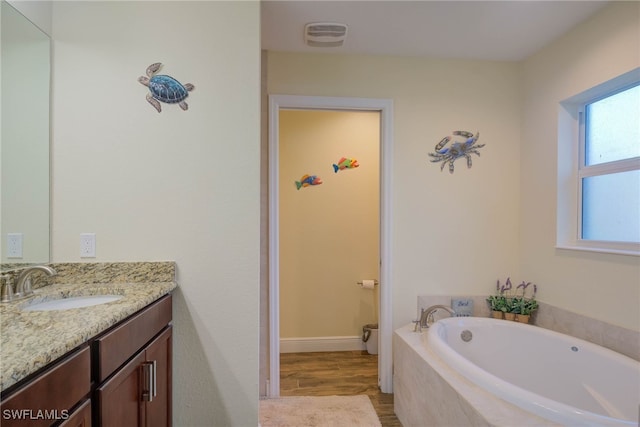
489, 30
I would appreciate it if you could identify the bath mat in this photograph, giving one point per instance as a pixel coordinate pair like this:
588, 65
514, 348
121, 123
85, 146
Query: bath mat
318, 411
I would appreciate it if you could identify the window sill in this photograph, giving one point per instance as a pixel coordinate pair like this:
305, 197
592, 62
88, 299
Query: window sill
576, 247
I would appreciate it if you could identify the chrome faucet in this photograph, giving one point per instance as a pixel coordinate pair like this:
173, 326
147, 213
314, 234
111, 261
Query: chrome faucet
426, 316
6, 282
23, 282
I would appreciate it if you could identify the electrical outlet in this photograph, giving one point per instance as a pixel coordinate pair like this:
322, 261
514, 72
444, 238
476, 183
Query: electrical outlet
87, 245
14, 245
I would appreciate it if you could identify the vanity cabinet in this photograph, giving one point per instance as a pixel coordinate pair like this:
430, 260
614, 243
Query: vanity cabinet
120, 378
133, 370
53, 394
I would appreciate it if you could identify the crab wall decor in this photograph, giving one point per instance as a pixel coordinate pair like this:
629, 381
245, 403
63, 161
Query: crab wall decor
164, 88
457, 149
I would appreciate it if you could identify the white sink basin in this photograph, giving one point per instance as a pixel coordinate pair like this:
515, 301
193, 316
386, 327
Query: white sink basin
73, 302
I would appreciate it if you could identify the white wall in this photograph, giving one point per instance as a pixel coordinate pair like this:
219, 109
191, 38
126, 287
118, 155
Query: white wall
452, 234
606, 287
179, 185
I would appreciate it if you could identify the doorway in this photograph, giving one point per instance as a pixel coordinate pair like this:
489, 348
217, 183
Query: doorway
384, 108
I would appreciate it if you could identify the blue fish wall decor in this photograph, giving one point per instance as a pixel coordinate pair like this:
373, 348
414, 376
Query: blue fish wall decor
308, 180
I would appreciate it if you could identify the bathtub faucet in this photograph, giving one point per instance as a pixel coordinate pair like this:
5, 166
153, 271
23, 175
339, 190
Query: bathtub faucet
426, 316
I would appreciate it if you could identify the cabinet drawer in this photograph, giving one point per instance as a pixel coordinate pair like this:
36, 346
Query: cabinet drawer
118, 345
49, 397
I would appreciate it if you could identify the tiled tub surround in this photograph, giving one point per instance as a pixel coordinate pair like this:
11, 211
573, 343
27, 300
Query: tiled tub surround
32, 339
616, 338
432, 394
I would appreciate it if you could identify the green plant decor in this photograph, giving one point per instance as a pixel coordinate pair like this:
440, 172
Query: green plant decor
521, 301
527, 306
497, 303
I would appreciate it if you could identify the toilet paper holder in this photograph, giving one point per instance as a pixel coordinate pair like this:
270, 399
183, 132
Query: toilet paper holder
375, 283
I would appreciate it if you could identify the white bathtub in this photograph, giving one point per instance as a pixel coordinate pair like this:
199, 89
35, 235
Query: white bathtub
556, 377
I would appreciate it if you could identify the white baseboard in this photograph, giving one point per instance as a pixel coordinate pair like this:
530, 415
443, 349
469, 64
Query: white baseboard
303, 345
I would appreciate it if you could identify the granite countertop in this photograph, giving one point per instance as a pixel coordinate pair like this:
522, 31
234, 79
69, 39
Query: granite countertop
31, 340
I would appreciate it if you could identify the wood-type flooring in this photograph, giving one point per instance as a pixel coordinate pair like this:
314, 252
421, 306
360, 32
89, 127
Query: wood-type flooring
339, 373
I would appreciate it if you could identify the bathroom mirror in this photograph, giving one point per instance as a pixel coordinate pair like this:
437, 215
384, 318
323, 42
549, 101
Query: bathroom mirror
24, 140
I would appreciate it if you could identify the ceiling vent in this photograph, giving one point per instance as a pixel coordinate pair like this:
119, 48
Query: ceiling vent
325, 34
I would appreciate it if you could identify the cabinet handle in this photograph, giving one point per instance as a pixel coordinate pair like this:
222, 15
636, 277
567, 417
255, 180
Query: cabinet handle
149, 381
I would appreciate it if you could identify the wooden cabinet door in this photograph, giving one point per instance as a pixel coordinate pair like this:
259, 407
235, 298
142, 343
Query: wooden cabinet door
158, 410
128, 397
119, 402
81, 417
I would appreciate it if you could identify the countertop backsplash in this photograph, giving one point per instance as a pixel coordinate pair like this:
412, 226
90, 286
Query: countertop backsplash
105, 272
115, 272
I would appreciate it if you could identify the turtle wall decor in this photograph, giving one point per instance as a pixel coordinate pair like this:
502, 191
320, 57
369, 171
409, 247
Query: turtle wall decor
164, 88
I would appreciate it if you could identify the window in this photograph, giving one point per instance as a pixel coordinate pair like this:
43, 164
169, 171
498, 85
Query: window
609, 173
603, 127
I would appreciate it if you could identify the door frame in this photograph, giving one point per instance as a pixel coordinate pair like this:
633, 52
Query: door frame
298, 102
